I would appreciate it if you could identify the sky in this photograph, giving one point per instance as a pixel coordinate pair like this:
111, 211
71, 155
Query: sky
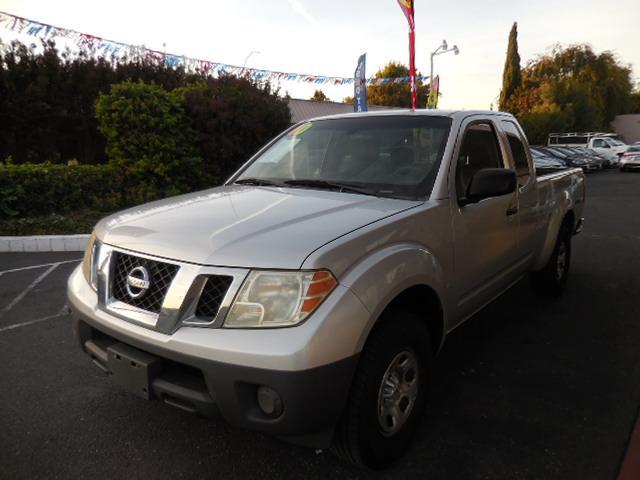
325, 37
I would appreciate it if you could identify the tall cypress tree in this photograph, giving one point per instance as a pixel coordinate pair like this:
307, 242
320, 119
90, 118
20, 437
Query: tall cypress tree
511, 76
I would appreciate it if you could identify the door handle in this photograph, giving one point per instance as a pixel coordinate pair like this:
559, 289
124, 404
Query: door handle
512, 211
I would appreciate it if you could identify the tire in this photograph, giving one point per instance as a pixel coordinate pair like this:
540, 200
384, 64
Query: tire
399, 349
551, 281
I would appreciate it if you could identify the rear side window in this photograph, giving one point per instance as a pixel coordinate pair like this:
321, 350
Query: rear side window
480, 149
518, 151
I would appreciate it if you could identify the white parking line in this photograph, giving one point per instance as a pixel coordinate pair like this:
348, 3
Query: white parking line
31, 267
30, 287
31, 322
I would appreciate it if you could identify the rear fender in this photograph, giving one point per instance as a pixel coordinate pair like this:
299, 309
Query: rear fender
562, 206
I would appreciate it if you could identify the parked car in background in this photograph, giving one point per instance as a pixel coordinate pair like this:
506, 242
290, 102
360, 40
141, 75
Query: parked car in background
571, 160
607, 162
584, 152
608, 145
545, 163
630, 159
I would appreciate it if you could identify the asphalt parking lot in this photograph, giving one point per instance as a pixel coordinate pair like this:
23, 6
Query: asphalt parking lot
527, 389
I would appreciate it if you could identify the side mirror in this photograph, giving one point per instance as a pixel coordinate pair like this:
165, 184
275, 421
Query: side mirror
490, 182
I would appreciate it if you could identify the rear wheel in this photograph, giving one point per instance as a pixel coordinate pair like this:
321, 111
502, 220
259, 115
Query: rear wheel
388, 393
551, 281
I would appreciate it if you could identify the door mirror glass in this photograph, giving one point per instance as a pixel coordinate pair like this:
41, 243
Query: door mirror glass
491, 182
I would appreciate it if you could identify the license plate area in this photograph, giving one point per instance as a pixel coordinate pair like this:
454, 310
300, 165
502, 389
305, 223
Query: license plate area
133, 369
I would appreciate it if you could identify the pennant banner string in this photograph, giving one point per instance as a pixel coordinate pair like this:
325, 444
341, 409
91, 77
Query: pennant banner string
117, 50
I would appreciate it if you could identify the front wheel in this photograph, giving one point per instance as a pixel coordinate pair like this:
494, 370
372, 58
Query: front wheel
388, 392
551, 281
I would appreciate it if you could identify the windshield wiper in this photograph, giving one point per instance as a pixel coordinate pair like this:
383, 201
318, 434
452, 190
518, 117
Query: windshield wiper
257, 181
323, 184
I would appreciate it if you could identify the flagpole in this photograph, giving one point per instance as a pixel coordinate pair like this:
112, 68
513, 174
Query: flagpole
412, 67
408, 8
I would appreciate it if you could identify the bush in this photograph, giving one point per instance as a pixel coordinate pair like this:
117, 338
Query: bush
232, 118
148, 136
190, 137
39, 189
47, 98
51, 224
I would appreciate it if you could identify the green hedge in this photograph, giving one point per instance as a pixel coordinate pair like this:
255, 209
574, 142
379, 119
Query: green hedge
31, 190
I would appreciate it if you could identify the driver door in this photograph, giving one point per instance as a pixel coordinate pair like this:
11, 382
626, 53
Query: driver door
486, 232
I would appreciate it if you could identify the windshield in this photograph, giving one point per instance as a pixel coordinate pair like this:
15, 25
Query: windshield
564, 150
394, 156
557, 152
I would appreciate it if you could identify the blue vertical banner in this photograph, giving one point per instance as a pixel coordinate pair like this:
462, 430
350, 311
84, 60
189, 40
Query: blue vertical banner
360, 86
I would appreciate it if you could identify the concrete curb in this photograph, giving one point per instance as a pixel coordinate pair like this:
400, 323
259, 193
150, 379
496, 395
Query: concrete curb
44, 243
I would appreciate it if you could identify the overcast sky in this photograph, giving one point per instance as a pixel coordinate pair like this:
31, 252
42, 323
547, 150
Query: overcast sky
325, 37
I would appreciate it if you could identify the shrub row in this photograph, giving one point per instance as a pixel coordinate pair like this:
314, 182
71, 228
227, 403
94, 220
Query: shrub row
40, 189
31, 189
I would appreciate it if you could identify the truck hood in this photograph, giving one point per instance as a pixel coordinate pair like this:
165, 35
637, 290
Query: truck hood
244, 226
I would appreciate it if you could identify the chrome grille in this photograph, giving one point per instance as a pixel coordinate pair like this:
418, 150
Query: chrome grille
160, 277
212, 294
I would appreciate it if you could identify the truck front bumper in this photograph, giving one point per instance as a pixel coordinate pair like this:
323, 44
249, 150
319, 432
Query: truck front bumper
300, 405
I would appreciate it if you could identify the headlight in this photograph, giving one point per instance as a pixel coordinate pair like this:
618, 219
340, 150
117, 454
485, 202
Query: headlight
90, 262
278, 299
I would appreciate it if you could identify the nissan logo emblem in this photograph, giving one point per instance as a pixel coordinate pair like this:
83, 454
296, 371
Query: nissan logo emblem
138, 282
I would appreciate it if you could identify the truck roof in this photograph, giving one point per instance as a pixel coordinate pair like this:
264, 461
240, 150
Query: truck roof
454, 114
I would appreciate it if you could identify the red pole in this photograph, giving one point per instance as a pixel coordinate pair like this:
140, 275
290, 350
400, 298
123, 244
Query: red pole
412, 68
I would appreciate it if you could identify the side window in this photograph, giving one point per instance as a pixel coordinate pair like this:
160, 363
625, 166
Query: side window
480, 149
518, 151
598, 143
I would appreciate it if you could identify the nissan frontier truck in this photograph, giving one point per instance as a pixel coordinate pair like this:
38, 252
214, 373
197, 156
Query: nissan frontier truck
307, 296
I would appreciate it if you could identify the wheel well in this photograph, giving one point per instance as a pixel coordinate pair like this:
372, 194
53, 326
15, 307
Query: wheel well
569, 221
423, 302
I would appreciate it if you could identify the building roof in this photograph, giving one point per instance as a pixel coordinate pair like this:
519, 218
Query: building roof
305, 109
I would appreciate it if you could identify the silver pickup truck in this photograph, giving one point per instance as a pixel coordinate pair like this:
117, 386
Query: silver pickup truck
307, 296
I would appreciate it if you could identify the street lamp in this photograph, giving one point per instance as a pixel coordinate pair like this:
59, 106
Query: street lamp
247, 59
442, 48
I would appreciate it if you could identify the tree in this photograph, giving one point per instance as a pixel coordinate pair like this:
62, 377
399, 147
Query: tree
511, 76
571, 89
319, 96
393, 94
635, 102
